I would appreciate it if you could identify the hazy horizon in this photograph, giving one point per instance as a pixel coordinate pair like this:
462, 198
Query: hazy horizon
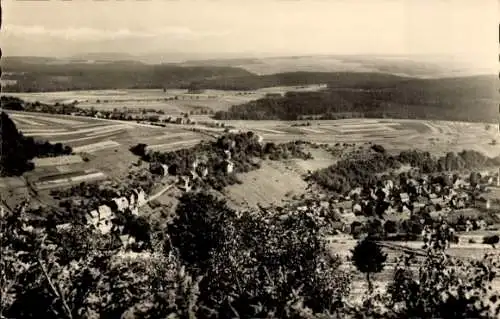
459, 30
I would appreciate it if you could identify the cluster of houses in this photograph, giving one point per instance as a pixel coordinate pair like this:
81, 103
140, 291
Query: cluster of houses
417, 195
142, 117
199, 168
420, 195
102, 217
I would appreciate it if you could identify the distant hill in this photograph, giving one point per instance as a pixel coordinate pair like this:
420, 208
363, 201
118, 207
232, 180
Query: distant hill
374, 95
58, 75
410, 66
108, 56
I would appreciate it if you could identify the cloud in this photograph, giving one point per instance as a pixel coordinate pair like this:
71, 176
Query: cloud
90, 34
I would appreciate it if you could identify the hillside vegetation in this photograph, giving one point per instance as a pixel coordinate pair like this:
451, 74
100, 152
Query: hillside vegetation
460, 99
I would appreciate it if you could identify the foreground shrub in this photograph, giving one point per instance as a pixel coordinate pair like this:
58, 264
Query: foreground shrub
255, 262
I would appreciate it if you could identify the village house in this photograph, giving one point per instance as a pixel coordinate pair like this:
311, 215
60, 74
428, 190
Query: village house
120, 203
482, 203
449, 194
356, 208
458, 202
99, 115
140, 196
202, 170
184, 183
388, 184
405, 198
355, 192
260, 139
228, 166
65, 226
101, 218
180, 120
158, 168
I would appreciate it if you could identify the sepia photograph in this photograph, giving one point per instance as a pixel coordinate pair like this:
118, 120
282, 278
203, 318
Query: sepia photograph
301, 159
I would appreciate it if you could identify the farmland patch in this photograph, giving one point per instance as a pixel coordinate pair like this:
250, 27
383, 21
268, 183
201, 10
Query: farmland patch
173, 144
67, 179
266, 130
95, 147
24, 121
310, 130
36, 131
76, 141
58, 120
59, 160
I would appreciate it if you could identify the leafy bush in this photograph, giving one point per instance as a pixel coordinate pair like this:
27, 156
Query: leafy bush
378, 148
257, 261
491, 240
139, 149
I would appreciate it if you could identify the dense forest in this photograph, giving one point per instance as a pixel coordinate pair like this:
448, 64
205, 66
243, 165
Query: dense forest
466, 99
17, 150
337, 79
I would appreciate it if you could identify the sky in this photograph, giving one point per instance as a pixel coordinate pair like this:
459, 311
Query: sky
458, 28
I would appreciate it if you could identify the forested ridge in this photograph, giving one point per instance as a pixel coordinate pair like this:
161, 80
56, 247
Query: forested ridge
461, 99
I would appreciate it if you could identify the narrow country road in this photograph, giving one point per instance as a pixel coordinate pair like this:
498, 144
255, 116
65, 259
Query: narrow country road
158, 194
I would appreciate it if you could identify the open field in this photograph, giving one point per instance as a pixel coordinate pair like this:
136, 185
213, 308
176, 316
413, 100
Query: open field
271, 184
276, 181
437, 137
173, 101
